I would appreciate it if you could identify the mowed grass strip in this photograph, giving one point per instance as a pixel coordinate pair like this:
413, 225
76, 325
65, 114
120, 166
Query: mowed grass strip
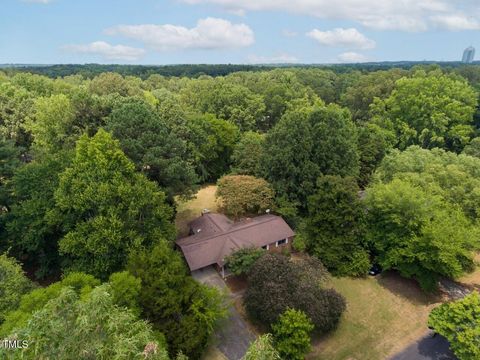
384, 315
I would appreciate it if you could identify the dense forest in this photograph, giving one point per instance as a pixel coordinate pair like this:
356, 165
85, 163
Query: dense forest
370, 167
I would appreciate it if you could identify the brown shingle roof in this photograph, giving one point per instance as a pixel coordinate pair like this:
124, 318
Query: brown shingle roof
219, 237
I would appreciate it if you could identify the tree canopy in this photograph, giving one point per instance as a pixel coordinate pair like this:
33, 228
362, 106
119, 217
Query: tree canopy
430, 110
459, 323
335, 226
306, 143
107, 208
242, 195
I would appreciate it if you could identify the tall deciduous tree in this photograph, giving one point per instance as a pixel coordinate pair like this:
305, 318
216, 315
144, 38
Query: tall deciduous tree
185, 311
107, 209
430, 110
147, 140
68, 327
335, 226
52, 123
211, 141
360, 95
226, 100
33, 231
35, 300
15, 105
418, 233
307, 143
247, 154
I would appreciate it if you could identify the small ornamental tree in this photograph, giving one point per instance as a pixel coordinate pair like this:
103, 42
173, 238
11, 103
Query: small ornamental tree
262, 349
459, 323
292, 334
242, 260
244, 195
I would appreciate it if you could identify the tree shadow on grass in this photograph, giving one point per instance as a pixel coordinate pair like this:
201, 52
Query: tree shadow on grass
409, 289
427, 348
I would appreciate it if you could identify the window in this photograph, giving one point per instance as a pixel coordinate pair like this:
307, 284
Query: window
281, 242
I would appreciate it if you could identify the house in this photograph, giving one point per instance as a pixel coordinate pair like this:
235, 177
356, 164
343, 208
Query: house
214, 236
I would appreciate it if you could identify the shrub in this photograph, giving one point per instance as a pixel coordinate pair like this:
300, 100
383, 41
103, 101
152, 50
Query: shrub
276, 283
242, 260
262, 349
292, 334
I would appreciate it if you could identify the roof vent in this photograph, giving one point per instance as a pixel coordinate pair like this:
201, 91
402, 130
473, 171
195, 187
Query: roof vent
267, 211
205, 211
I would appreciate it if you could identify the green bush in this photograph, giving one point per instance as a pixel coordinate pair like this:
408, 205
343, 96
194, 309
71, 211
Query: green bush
276, 283
242, 260
292, 334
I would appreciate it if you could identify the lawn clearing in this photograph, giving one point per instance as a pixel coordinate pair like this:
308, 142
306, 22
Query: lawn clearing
191, 209
384, 315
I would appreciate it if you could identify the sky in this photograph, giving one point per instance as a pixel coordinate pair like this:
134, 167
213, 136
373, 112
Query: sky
235, 31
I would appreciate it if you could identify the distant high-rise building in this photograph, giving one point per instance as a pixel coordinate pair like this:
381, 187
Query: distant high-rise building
468, 55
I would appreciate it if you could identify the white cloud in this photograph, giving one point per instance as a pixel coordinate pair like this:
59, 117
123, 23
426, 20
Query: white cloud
405, 15
107, 51
349, 38
276, 59
210, 33
351, 57
456, 22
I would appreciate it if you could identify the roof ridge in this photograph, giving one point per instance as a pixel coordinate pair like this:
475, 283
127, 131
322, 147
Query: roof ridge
230, 231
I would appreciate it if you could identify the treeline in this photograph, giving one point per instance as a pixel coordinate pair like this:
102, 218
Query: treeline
368, 167
195, 70
143, 71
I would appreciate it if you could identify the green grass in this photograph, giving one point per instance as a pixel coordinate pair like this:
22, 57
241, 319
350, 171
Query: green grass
383, 316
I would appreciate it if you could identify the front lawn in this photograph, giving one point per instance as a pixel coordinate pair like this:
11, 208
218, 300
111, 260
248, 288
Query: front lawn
384, 315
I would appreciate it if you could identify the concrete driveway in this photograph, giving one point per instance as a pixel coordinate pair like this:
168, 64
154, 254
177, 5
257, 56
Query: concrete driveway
233, 337
427, 348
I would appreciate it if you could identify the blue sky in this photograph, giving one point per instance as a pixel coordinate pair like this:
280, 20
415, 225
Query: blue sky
234, 31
